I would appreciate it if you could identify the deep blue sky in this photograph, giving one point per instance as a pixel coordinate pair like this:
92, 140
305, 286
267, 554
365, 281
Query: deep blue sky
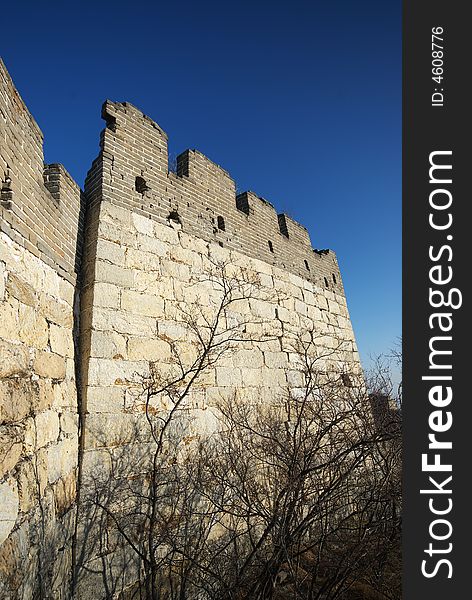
299, 101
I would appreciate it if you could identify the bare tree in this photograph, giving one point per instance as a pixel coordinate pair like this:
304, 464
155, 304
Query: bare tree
147, 501
310, 491
296, 497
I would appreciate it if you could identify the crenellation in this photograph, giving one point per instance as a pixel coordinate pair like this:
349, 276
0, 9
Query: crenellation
42, 205
200, 192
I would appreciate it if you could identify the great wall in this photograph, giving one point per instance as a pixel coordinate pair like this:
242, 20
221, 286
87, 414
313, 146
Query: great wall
90, 282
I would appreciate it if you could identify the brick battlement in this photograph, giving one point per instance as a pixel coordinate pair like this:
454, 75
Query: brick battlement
133, 172
41, 205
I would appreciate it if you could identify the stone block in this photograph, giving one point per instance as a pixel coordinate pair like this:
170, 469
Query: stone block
187, 257
69, 423
207, 378
142, 224
106, 295
314, 313
56, 311
21, 290
111, 213
42, 429
115, 232
105, 319
105, 372
218, 254
273, 377
251, 377
64, 492
33, 328
261, 309
143, 261
9, 325
31, 478
300, 308
171, 331
50, 365
60, 340
17, 397
244, 358
260, 266
152, 245
148, 349
276, 360
228, 377
109, 430
110, 252
321, 302
187, 351
11, 446
97, 465
104, 344
288, 316
107, 273
309, 297
166, 234
295, 378
334, 307
50, 278
241, 306
66, 292
14, 360
175, 270
153, 283
105, 399
266, 280
9, 504
296, 280
142, 304
64, 395
61, 459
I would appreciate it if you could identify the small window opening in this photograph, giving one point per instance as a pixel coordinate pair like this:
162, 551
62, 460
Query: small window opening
307, 266
334, 279
140, 185
326, 282
221, 224
175, 217
283, 225
271, 247
346, 379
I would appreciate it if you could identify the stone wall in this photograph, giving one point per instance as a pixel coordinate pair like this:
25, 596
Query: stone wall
39, 250
146, 272
38, 416
152, 239
90, 306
